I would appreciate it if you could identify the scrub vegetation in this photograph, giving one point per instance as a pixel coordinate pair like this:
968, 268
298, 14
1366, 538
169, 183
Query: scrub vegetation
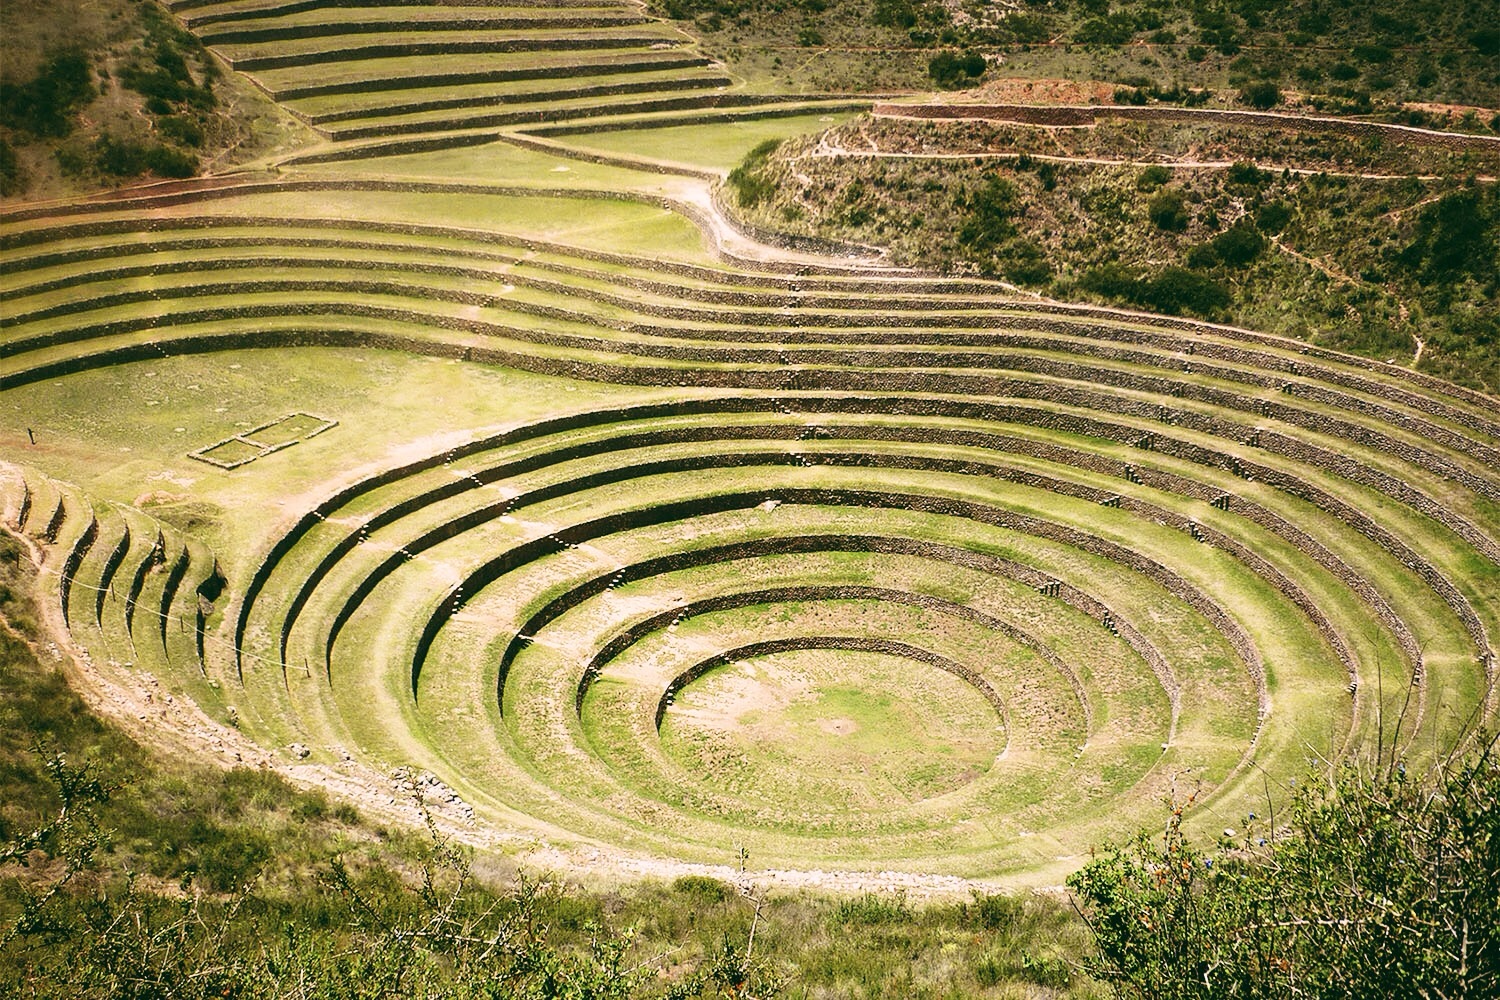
1359, 245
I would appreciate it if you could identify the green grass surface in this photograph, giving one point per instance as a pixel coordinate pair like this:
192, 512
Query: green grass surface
714, 146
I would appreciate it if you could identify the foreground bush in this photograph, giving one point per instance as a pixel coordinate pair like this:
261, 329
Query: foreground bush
1371, 885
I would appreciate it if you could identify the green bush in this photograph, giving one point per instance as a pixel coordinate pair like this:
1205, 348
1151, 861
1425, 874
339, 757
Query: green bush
1113, 29
44, 105
1273, 216
1173, 290
953, 70
704, 890
751, 185
181, 129
1153, 177
119, 157
1243, 174
12, 179
1456, 236
1369, 883
1238, 245
1168, 210
1261, 95
987, 215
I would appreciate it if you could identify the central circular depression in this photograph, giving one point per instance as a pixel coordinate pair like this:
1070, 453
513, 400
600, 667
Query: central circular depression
835, 728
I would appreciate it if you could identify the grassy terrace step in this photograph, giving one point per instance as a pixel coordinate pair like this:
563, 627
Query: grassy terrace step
128, 589
476, 476
717, 109
573, 498
375, 292
463, 44
231, 10
438, 73
766, 106
280, 30
499, 94
663, 299
563, 106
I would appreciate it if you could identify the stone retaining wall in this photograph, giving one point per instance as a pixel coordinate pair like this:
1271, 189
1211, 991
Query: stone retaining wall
525, 97
331, 29
417, 49
75, 556
107, 574
435, 80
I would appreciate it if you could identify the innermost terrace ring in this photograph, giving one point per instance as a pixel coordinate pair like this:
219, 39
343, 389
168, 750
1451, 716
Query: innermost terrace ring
864, 724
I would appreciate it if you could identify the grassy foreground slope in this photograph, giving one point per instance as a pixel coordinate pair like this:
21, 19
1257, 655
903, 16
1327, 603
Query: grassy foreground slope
488, 447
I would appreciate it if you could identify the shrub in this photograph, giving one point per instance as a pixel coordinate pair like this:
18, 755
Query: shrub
1153, 177
1238, 245
1173, 290
1168, 210
1457, 235
703, 890
44, 106
117, 157
1179, 290
1273, 216
1261, 95
1371, 881
181, 128
12, 179
751, 185
952, 70
894, 14
1245, 174
1114, 29
988, 213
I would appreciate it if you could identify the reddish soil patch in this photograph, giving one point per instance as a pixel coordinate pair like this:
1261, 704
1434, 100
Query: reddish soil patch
1025, 91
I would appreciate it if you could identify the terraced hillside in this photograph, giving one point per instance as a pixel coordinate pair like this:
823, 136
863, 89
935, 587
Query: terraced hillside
458, 72
518, 465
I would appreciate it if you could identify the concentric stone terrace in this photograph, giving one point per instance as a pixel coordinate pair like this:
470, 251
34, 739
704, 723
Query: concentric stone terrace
377, 75
875, 569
